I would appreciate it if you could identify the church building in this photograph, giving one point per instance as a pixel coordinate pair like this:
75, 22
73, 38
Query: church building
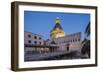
58, 42
71, 42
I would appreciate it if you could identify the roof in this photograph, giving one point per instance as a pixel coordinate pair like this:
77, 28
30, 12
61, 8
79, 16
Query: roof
57, 26
53, 42
33, 33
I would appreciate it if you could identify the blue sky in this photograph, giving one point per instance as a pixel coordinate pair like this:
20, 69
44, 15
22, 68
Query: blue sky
43, 22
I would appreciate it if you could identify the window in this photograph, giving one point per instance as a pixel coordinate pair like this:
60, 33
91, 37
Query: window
73, 40
35, 42
40, 43
29, 36
29, 41
35, 37
78, 39
39, 38
67, 48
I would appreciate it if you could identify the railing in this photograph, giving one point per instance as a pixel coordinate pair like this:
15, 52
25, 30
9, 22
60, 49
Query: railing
41, 46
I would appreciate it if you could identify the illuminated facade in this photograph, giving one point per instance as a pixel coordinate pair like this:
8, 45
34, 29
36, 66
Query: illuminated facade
57, 31
69, 43
65, 42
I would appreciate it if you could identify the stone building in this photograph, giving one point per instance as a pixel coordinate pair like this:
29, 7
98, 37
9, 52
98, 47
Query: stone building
69, 43
65, 42
31, 39
58, 41
57, 31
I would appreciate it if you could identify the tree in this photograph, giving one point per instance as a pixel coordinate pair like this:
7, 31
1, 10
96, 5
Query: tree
86, 48
87, 30
86, 42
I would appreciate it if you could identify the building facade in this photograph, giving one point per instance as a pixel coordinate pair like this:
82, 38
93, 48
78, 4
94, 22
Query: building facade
69, 43
33, 39
58, 42
65, 42
57, 31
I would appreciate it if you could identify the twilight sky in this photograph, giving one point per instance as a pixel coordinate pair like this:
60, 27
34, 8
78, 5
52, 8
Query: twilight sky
43, 22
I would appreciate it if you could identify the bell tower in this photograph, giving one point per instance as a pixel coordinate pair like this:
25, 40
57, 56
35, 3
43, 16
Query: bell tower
57, 31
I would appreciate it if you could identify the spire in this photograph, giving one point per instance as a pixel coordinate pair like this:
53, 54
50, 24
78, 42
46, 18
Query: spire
57, 31
57, 25
57, 20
